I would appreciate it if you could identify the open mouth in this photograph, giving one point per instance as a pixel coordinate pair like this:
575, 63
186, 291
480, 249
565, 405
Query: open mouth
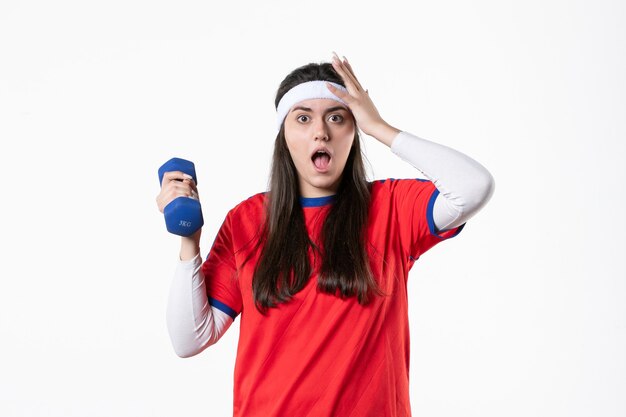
321, 159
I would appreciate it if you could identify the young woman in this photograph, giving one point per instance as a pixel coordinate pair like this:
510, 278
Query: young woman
317, 266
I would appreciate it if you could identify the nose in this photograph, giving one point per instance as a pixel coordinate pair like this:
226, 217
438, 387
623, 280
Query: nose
321, 131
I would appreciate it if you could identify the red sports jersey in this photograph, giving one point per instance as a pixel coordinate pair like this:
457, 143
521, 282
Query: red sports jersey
319, 355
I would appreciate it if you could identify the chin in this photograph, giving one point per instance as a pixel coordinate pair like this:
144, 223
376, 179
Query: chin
329, 184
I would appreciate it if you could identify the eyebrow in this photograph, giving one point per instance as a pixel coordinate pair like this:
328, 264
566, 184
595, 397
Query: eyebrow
331, 109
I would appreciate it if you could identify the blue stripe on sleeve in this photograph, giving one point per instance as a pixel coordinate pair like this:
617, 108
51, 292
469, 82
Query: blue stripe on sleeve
431, 219
223, 307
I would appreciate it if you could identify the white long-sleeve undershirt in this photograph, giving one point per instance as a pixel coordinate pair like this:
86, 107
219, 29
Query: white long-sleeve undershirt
464, 185
193, 324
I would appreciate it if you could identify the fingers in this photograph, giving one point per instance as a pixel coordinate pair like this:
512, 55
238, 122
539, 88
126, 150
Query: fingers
350, 82
339, 93
344, 69
351, 72
176, 184
176, 175
185, 188
174, 190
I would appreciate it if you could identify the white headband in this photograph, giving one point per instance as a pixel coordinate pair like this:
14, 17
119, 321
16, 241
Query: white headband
305, 91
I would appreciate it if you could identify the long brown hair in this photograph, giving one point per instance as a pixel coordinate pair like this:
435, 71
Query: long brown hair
283, 268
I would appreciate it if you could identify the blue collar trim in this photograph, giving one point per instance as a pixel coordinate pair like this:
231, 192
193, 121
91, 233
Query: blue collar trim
317, 201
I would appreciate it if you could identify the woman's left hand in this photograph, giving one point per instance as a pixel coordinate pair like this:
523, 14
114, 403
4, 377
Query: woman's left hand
358, 100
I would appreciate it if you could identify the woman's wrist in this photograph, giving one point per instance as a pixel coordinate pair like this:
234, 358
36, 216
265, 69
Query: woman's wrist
190, 246
383, 132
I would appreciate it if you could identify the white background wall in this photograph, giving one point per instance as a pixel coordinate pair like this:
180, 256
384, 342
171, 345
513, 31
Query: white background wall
522, 314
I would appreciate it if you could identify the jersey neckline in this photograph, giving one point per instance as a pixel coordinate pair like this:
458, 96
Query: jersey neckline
317, 201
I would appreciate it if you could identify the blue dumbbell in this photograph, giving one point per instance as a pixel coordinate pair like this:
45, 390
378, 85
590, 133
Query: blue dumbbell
183, 215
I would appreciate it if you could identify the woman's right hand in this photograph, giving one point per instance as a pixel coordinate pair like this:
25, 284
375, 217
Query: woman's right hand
176, 184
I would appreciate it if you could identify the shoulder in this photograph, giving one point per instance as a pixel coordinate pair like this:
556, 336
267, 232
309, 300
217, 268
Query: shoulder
396, 187
251, 207
393, 195
245, 219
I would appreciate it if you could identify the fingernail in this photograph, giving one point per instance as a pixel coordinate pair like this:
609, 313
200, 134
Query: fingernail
189, 177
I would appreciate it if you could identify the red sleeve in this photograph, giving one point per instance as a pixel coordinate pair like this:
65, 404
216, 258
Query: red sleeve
414, 201
220, 273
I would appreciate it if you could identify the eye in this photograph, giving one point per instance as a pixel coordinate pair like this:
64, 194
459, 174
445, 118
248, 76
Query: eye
299, 118
336, 118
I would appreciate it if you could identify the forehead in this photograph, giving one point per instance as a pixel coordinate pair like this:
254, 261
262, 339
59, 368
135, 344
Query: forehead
319, 104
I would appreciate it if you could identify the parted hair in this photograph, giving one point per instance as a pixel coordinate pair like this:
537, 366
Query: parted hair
283, 267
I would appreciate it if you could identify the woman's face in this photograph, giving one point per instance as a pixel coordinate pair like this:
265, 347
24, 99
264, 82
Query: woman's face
314, 125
